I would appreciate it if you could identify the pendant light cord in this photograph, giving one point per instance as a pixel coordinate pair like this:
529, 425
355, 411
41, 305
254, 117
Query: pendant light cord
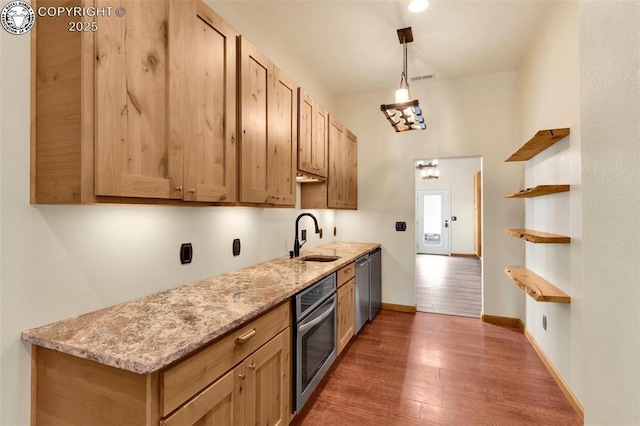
403, 77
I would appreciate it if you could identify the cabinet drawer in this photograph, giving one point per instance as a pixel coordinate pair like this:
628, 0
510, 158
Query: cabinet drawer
185, 379
346, 273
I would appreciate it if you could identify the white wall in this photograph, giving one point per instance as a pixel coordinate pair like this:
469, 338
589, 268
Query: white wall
468, 117
60, 261
457, 175
610, 139
243, 17
548, 86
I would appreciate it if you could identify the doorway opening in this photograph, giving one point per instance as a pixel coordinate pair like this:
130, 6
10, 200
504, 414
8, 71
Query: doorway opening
448, 241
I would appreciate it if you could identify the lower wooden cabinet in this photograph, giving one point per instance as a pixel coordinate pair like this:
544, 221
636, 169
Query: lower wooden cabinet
268, 383
346, 313
256, 392
242, 379
222, 403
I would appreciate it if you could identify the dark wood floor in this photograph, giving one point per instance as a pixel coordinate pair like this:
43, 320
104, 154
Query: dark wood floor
429, 369
449, 285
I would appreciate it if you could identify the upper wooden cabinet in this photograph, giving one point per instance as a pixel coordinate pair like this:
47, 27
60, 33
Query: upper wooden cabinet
142, 90
340, 191
342, 181
313, 136
142, 109
210, 157
268, 130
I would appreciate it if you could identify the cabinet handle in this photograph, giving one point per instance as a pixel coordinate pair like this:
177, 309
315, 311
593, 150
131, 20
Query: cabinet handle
241, 376
179, 188
252, 366
243, 339
192, 191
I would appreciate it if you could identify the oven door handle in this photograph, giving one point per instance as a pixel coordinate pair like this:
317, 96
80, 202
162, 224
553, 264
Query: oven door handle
305, 327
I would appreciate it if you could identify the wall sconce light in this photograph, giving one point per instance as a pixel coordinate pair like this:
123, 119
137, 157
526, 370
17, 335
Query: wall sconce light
405, 114
428, 170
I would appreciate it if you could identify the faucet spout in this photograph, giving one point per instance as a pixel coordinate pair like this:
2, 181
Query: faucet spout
296, 243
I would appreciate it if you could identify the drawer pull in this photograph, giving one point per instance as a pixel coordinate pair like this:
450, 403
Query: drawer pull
243, 339
252, 366
241, 376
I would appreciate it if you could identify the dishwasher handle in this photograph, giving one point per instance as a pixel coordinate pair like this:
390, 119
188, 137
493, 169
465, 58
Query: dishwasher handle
363, 262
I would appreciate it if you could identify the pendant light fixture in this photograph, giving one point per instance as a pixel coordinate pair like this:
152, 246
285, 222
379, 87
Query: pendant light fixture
405, 114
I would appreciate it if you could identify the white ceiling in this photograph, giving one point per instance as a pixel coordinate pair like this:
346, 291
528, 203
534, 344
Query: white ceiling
353, 45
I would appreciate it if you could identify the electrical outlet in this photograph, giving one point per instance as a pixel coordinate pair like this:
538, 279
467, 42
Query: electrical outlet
544, 321
186, 253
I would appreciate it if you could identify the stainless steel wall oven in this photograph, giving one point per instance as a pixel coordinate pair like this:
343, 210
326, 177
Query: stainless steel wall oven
314, 319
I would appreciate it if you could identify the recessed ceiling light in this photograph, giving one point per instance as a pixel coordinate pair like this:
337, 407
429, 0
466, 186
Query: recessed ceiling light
418, 5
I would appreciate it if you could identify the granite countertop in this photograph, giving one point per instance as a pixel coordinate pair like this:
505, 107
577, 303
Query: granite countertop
147, 334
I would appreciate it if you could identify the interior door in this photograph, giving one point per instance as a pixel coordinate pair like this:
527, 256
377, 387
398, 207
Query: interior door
433, 221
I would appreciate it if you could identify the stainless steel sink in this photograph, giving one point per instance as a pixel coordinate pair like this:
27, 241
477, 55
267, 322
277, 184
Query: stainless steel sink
320, 258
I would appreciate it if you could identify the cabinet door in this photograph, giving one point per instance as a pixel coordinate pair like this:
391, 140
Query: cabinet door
268, 384
337, 153
313, 125
346, 313
210, 157
222, 403
283, 140
321, 142
256, 77
306, 132
351, 171
142, 96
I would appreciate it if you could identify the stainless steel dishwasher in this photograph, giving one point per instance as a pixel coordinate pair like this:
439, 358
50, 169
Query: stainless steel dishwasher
362, 291
375, 282
368, 287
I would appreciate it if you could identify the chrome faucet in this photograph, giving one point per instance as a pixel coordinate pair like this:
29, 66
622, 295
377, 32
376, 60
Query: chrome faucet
296, 244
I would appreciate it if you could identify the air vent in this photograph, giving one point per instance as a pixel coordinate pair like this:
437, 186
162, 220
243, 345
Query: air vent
424, 77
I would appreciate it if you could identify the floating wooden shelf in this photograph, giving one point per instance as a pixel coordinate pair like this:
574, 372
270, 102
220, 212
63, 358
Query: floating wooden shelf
541, 141
537, 236
539, 190
535, 286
